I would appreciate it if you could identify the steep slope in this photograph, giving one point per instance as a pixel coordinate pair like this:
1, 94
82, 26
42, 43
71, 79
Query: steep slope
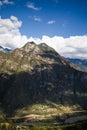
37, 74
82, 63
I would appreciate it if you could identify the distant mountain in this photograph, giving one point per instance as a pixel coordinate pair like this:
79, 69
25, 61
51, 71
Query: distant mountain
7, 50
82, 63
37, 74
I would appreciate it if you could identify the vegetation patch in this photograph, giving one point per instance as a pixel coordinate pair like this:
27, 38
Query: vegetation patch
47, 112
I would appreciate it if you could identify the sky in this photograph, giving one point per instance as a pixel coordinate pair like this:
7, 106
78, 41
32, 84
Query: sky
62, 24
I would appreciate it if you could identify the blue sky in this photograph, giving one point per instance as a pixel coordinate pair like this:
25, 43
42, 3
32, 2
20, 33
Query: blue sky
62, 21
68, 17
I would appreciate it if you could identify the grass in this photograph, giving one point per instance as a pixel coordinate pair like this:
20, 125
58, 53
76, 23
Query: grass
11, 126
33, 62
47, 112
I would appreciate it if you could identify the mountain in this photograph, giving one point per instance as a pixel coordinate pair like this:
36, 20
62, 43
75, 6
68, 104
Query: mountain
30, 56
37, 74
7, 50
82, 63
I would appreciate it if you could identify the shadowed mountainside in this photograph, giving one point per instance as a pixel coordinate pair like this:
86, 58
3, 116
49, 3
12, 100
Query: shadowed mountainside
36, 74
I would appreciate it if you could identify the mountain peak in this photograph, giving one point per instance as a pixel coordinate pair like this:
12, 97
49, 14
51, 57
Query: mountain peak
28, 46
31, 42
43, 44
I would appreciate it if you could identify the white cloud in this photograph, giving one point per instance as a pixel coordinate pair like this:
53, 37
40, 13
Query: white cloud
0, 3
11, 23
32, 6
74, 46
38, 19
10, 35
51, 22
6, 2
14, 18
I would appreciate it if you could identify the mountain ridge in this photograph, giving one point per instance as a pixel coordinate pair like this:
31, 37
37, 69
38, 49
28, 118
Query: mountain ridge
82, 63
30, 54
5, 49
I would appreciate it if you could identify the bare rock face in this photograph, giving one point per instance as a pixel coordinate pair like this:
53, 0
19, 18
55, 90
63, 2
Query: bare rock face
36, 73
